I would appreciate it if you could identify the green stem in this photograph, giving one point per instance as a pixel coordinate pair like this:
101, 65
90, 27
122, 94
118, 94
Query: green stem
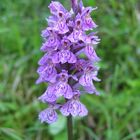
69, 128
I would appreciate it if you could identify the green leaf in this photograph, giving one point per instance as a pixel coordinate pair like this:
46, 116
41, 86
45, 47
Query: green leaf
61, 136
10, 133
58, 126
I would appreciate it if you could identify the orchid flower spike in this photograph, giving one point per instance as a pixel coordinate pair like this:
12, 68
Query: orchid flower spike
69, 62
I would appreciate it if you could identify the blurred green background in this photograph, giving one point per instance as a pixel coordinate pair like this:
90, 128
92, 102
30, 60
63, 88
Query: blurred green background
115, 115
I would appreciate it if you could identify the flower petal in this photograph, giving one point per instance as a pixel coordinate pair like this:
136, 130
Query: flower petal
45, 33
40, 80
94, 76
64, 109
71, 57
60, 89
64, 56
68, 94
74, 108
48, 96
56, 58
48, 115
61, 27
91, 54
55, 7
44, 59
85, 80
51, 44
83, 111
76, 36
47, 73
91, 89
88, 23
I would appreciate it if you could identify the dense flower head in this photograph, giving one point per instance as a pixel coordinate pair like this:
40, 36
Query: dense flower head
69, 63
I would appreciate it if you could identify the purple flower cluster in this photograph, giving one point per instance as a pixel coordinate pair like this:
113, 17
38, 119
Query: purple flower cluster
69, 63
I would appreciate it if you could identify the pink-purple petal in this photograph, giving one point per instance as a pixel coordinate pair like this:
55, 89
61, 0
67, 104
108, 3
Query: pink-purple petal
85, 80
48, 96
91, 54
48, 115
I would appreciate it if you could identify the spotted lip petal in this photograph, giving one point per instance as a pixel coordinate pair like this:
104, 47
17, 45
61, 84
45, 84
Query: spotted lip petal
52, 43
91, 54
62, 89
46, 68
51, 21
61, 27
76, 35
85, 80
64, 109
48, 115
46, 73
48, 96
64, 56
83, 111
68, 94
44, 60
75, 108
